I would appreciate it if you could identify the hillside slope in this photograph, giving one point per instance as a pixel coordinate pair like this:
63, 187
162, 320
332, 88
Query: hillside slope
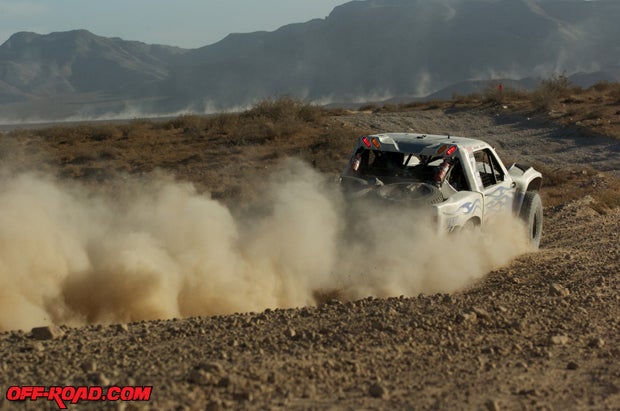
40, 66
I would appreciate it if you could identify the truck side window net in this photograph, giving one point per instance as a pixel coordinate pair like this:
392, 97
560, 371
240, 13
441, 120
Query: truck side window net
488, 167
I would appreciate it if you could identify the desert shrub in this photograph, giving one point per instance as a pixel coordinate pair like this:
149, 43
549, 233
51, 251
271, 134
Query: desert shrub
470, 98
594, 113
94, 132
614, 94
82, 157
101, 132
601, 86
390, 108
107, 154
95, 173
279, 118
56, 133
222, 124
368, 107
285, 109
412, 105
564, 184
550, 90
138, 129
608, 198
311, 113
186, 123
492, 94
274, 109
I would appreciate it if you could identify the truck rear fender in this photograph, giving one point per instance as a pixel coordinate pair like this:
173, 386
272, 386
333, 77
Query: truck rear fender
459, 208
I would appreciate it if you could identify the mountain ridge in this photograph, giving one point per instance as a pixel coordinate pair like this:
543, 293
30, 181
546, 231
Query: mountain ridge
362, 50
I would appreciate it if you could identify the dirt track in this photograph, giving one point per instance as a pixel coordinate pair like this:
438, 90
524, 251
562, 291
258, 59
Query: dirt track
542, 333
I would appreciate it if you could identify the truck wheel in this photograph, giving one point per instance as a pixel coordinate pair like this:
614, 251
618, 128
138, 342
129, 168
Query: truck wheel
532, 215
469, 227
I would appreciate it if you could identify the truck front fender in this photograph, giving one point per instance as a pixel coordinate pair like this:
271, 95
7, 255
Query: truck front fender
526, 179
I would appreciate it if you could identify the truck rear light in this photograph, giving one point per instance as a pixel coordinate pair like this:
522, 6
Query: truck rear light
366, 141
450, 151
376, 143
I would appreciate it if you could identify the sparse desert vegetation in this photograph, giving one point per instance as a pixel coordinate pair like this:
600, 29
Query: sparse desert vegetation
224, 154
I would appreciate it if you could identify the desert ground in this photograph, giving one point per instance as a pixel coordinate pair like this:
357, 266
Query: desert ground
539, 332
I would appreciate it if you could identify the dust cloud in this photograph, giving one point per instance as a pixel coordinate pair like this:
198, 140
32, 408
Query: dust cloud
154, 248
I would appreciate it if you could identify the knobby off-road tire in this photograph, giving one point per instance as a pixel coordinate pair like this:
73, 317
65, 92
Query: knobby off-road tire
469, 227
355, 187
532, 215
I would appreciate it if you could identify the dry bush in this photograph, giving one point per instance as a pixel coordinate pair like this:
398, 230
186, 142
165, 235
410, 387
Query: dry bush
614, 94
94, 132
606, 200
593, 113
102, 132
562, 184
269, 119
222, 124
81, 157
602, 86
472, 98
492, 94
417, 104
311, 113
108, 154
187, 123
391, 108
369, 107
285, 109
137, 129
60, 133
551, 90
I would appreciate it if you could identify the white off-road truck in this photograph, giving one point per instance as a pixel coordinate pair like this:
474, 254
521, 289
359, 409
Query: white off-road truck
461, 180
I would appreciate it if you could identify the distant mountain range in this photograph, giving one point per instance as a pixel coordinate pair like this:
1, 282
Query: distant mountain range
364, 50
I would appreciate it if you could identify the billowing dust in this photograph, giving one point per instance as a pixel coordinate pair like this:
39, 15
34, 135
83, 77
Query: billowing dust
155, 248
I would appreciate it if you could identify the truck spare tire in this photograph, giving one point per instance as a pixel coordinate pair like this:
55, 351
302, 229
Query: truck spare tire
421, 193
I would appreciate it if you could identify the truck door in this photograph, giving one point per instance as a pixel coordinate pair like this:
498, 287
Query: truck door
494, 183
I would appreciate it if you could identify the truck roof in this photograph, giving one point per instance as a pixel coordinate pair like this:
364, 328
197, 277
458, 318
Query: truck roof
424, 143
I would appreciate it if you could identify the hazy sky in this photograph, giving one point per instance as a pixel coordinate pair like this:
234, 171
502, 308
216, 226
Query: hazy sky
184, 23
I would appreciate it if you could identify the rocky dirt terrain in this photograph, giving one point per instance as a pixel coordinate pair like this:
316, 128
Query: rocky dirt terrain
541, 333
